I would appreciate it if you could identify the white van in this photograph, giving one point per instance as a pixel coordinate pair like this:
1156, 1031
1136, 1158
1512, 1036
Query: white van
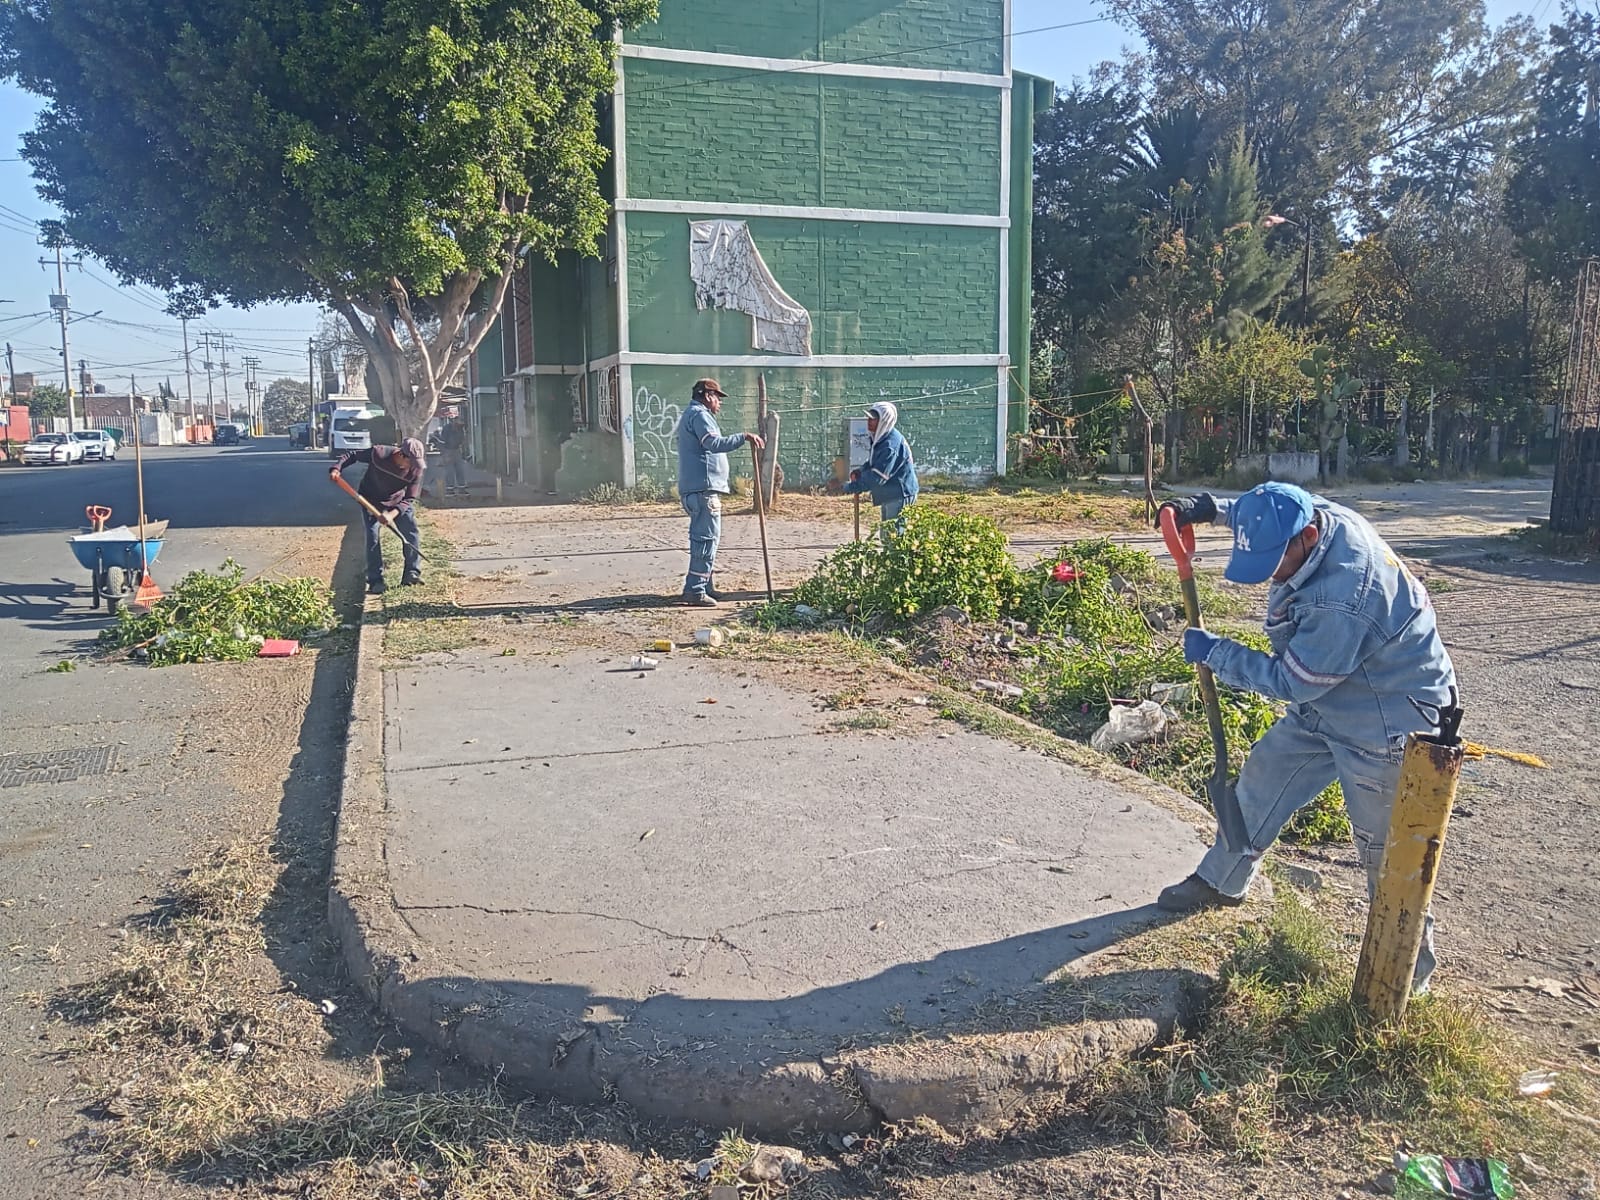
350, 429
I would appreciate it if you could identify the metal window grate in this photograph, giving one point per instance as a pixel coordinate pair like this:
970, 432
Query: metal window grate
1575, 496
55, 766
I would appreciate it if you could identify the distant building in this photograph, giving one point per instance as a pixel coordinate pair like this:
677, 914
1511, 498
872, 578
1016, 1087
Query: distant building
839, 196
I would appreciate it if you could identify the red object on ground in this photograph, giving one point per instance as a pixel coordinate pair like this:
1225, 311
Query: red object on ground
1066, 573
278, 648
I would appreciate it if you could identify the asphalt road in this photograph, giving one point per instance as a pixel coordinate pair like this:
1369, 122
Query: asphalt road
173, 761
209, 495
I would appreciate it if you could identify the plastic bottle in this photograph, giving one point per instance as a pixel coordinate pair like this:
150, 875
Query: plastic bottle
1431, 1176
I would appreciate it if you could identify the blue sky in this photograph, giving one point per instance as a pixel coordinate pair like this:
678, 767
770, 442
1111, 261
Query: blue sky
148, 343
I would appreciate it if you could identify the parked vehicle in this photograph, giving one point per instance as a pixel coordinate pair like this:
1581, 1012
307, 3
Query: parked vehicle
98, 445
53, 448
226, 435
352, 429
299, 435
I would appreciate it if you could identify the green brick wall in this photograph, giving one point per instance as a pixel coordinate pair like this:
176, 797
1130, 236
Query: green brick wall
953, 35
870, 289
947, 414
727, 136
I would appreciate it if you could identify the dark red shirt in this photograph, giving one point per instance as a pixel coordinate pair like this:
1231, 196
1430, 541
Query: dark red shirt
384, 484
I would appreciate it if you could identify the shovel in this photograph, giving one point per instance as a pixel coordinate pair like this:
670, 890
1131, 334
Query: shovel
1224, 799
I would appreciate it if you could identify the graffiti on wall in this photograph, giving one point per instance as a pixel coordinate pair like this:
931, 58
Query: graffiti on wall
653, 422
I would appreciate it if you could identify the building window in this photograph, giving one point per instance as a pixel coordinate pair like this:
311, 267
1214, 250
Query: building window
611, 400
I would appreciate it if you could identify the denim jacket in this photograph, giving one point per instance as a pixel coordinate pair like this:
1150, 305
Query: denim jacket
890, 475
703, 452
1353, 639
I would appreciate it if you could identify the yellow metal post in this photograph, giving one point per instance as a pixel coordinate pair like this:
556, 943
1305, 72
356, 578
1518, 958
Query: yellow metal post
1405, 880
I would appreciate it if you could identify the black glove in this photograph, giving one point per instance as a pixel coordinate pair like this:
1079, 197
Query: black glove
1191, 510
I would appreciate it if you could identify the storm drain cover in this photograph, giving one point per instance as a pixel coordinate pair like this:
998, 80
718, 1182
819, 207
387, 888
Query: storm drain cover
55, 766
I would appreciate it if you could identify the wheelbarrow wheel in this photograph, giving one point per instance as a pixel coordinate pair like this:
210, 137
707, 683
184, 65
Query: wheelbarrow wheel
116, 589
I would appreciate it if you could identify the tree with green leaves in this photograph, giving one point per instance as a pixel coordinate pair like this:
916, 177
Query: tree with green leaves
47, 400
392, 159
1554, 199
285, 402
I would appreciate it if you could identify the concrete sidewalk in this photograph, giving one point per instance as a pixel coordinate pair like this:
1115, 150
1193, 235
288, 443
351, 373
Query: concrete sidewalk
758, 894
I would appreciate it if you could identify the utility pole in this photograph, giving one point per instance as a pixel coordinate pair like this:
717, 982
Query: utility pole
62, 305
227, 397
252, 393
311, 391
188, 372
211, 397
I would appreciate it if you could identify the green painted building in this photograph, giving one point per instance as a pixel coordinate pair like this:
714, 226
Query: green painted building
836, 193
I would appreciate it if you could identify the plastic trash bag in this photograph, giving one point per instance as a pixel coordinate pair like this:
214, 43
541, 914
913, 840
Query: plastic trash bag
1130, 725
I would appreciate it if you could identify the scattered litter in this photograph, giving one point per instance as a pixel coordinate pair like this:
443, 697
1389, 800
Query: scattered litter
1172, 695
1130, 725
1429, 1175
703, 1168
774, 1164
278, 648
1058, 871
804, 612
875, 926
920, 701
849, 1140
1475, 751
663, 645
1009, 690
648, 833
329, 1008
711, 637
1537, 1083
239, 1049
642, 663
709, 700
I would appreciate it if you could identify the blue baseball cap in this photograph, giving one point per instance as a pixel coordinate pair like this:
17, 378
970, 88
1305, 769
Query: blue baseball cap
1264, 519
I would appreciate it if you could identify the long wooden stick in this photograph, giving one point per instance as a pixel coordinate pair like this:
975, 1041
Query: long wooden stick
761, 518
138, 470
857, 498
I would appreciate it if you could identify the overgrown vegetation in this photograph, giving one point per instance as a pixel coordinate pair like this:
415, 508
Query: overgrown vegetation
1085, 628
646, 491
1283, 1045
218, 616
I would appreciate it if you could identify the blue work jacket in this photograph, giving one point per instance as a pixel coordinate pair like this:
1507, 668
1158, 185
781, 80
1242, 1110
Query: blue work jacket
703, 452
1353, 639
890, 474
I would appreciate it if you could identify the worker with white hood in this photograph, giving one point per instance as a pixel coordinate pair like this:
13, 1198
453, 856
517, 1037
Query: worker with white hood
890, 476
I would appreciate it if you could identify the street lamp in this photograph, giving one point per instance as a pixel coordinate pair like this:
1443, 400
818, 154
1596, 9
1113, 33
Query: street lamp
1272, 221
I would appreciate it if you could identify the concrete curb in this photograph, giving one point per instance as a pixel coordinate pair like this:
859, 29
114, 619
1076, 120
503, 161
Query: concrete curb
960, 1080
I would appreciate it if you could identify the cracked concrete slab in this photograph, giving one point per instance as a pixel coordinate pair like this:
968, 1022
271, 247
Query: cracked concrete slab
602, 883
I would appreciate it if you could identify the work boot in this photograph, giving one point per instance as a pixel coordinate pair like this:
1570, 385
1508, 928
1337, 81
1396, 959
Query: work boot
1194, 895
377, 589
411, 581
699, 600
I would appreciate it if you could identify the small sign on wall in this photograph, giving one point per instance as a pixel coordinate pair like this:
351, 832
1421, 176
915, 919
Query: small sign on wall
858, 442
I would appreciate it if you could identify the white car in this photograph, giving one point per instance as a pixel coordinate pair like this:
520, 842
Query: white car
98, 445
47, 448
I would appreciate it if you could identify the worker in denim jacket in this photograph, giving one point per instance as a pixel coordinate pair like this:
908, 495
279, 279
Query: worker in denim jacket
890, 476
702, 483
1353, 642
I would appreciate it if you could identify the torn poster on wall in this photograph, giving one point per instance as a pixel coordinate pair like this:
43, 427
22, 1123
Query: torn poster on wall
728, 272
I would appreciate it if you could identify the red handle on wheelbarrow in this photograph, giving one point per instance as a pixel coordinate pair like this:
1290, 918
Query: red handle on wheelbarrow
1180, 543
98, 515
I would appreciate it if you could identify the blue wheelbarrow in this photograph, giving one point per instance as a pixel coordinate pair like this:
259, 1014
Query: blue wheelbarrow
117, 560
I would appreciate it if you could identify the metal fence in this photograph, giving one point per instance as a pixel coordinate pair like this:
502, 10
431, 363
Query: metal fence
1575, 499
